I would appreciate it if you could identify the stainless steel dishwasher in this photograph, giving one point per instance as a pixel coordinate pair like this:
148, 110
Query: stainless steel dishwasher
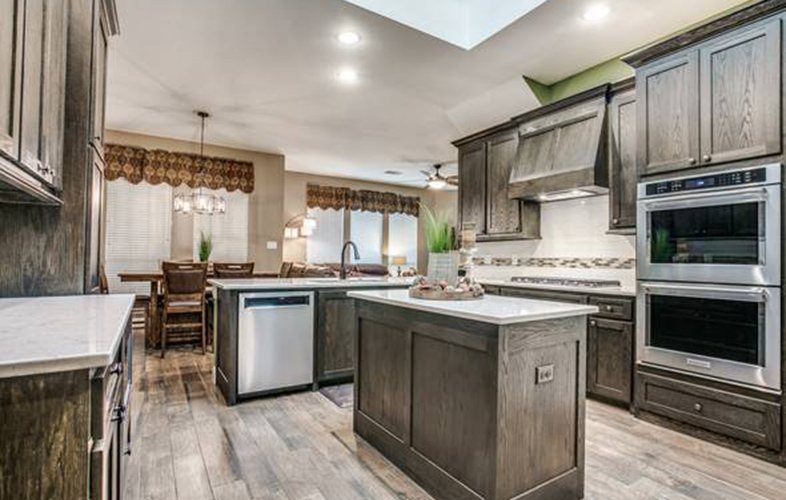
275, 341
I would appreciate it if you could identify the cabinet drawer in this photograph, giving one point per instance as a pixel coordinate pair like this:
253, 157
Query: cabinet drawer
740, 417
544, 295
613, 308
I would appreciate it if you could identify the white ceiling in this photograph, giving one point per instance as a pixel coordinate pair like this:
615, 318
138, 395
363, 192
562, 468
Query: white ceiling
265, 69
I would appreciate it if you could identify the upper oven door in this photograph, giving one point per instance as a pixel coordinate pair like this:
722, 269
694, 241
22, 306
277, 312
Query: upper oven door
725, 332
725, 236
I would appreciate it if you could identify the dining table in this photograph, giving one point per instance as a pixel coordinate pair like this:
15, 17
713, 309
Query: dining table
155, 278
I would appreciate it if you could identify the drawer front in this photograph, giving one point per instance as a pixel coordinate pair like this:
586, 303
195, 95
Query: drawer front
740, 417
613, 308
544, 295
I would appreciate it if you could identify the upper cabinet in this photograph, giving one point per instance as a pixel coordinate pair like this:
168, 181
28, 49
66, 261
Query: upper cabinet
717, 99
100, 46
32, 99
622, 160
485, 163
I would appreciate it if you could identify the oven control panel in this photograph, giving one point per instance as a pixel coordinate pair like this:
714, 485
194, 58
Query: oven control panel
725, 179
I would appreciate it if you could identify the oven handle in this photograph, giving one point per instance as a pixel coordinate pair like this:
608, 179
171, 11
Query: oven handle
759, 294
737, 195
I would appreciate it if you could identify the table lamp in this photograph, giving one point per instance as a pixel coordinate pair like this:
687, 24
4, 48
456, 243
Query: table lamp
399, 260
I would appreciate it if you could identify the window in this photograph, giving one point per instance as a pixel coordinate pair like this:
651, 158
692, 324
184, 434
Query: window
403, 238
138, 231
324, 245
229, 231
366, 230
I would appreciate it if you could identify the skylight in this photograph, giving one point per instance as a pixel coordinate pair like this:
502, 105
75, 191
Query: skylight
465, 23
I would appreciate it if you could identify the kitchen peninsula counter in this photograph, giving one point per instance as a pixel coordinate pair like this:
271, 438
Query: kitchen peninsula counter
474, 399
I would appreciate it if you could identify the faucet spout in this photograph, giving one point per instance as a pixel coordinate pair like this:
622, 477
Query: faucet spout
342, 274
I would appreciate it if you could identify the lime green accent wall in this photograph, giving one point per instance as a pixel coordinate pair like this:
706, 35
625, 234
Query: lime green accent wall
606, 72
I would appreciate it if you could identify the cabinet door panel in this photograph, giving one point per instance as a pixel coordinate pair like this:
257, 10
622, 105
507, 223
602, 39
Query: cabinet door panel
472, 186
336, 331
95, 230
610, 359
11, 28
53, 90
99, 84
741, 95
32, 78
622, 155
668, 106
504, 214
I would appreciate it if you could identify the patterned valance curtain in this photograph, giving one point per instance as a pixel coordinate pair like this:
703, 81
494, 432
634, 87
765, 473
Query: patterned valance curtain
155, 166
325, 197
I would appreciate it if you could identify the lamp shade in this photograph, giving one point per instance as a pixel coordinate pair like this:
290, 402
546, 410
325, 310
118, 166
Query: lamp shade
398, 260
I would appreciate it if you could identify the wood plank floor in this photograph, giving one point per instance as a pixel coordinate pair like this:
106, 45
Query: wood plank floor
189, 446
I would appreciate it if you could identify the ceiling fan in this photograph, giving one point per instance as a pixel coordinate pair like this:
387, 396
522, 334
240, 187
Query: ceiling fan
435, 180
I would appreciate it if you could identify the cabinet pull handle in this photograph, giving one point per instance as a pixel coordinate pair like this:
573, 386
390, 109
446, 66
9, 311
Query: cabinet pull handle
116, 368
692, 161
707, 158
698, 407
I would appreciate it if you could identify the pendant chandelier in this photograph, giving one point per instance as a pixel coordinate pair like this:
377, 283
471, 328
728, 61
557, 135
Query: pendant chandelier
199, 201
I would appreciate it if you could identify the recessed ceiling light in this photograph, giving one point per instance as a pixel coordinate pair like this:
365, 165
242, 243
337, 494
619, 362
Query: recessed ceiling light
596, 12
348, 38
347, 75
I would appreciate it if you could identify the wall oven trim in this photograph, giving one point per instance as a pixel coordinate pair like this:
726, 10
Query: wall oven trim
767, 377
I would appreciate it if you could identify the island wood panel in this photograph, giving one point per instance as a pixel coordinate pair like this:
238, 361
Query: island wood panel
335, 335
226, 345
462, 378
740, 94
541, 425
459, 440
381, 390
44, 435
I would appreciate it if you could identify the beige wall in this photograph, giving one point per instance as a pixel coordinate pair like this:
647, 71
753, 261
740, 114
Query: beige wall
295, 203
266, 203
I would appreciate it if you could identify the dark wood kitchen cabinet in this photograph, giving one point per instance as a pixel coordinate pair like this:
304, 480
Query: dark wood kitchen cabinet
712, 95
98, 84
32, 99
485, 164
668, 114
623, 175
335, 336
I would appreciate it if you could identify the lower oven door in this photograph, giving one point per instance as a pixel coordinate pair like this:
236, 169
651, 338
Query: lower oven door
731, 333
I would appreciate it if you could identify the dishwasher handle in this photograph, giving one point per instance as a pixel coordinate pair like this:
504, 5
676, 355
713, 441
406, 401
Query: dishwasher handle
276, 302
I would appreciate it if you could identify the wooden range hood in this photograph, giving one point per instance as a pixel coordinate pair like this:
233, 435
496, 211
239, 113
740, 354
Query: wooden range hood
562, 149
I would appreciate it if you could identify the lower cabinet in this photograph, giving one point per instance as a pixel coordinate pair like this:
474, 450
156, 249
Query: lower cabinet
723, 411
610, 340
335, 336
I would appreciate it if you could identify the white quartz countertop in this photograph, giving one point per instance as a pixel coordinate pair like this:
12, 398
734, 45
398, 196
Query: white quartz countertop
610, 290
307, 283
52, 334
490, 309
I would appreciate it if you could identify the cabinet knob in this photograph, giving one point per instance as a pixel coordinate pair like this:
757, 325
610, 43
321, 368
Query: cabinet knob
698, 407
593, 322
609, 308
692, 161
706, 158
615, 221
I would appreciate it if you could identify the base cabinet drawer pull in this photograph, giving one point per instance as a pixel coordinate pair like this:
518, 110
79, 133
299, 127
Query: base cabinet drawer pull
698, 407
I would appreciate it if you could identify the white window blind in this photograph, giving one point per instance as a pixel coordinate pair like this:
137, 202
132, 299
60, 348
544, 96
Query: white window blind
324, 245
366, 229
403, 238
229, 231
138, 231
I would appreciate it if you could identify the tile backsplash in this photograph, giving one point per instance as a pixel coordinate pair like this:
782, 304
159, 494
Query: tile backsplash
574, 242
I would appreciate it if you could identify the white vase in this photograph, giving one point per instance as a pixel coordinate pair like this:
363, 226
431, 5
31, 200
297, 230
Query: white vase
443, 267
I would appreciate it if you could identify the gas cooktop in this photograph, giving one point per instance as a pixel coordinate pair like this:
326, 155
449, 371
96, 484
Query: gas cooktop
567, 282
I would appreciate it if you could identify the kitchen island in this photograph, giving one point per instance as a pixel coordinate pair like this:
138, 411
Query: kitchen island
262, 348
474, 399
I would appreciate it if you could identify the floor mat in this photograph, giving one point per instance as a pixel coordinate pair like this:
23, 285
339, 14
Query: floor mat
341, 395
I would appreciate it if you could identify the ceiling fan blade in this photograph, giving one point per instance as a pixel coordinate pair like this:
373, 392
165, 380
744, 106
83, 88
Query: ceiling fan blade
426, 173
452, 180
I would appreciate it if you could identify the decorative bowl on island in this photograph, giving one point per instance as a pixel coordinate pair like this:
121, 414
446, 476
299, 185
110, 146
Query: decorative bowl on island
463, 289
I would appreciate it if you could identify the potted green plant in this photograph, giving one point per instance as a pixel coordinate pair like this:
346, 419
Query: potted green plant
205, 247
443, 260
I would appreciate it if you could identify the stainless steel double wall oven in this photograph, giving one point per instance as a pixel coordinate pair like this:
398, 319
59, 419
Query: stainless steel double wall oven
709, 271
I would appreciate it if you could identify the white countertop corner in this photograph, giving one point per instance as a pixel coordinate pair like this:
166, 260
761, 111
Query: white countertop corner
53, 334
492, 309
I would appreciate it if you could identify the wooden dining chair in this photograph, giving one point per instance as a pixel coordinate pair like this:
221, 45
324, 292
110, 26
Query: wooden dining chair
184, 300
233, 270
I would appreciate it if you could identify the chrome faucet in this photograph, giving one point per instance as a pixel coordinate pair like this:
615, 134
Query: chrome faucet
342, 274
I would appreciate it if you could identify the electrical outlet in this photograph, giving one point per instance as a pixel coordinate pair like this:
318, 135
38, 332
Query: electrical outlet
544, 374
